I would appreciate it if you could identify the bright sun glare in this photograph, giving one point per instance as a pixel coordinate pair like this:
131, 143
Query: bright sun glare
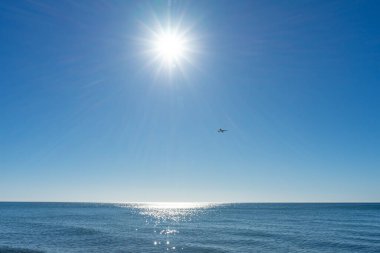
170, 48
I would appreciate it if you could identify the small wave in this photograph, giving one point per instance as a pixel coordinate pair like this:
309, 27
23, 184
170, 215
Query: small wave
80, 231
18, 250
205, 249
168, 232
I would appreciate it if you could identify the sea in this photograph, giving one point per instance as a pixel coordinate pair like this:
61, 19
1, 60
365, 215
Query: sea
189, 227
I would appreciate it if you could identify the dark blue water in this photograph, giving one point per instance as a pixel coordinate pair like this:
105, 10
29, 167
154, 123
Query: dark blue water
73, 227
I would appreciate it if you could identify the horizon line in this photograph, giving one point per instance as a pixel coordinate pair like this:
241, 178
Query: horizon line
202, 202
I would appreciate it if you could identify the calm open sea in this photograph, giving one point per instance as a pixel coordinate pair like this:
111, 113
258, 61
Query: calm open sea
191, 227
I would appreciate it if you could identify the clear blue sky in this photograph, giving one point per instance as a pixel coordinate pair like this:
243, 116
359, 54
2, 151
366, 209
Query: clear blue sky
86, 116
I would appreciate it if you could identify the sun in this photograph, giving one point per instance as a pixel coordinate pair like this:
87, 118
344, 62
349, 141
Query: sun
170, 47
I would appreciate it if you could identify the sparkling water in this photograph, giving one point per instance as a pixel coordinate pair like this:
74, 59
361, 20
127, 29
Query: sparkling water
189, 227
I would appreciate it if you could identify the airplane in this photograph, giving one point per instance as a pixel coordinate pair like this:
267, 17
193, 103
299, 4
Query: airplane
221, 130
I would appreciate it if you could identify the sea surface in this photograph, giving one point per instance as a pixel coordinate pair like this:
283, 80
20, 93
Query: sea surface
188, 227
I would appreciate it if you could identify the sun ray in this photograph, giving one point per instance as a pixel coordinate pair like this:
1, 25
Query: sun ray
169, 45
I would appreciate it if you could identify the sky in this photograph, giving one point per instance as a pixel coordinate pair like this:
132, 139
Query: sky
88, 111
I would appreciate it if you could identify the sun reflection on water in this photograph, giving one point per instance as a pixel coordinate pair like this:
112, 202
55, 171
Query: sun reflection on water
165, 219
175, 211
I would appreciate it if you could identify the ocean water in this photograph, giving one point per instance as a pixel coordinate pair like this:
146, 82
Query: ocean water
189, 227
